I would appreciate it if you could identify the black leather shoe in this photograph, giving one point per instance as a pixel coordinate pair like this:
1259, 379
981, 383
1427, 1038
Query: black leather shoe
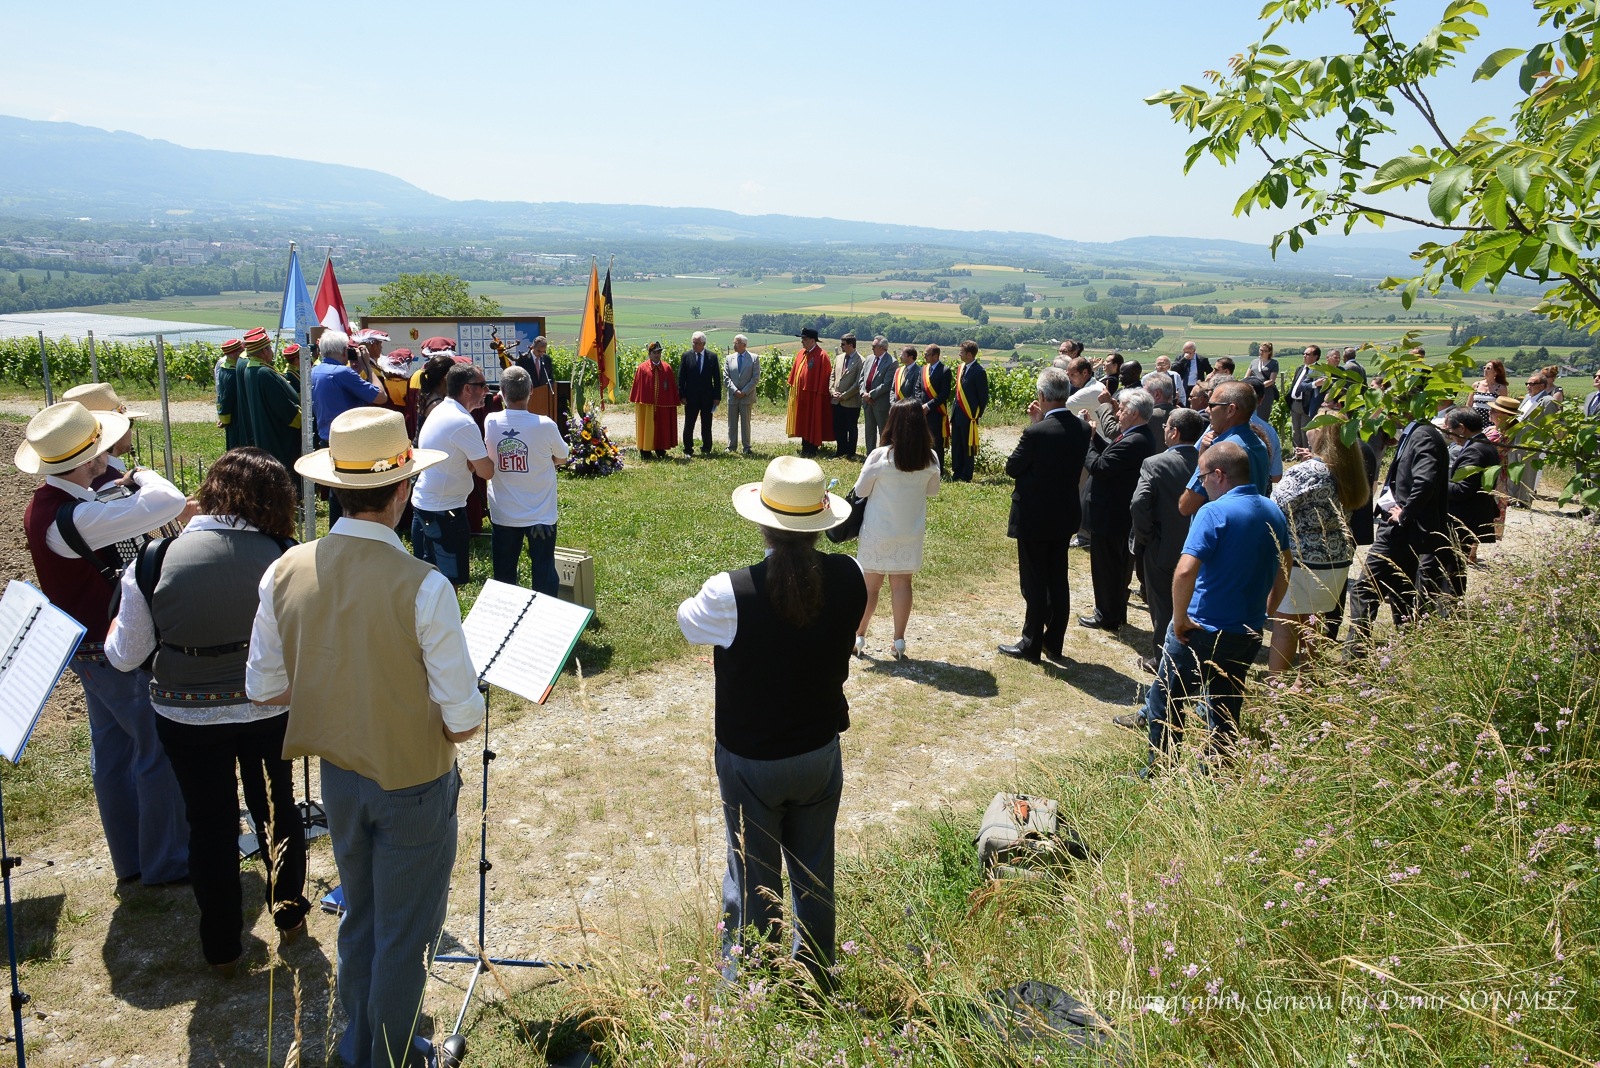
1096, 622
1150, 664
1133, 721
1020, 652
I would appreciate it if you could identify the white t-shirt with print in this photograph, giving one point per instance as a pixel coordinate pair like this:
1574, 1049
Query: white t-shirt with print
448, 484
523, 447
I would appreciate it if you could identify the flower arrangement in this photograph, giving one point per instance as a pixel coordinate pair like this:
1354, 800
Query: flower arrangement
593, 454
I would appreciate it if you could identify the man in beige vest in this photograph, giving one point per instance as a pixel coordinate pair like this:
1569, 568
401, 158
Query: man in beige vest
363, 641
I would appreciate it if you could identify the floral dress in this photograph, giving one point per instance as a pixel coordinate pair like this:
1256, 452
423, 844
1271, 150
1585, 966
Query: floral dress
1309, 498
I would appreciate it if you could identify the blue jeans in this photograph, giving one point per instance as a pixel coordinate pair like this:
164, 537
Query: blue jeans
394, 849
141, 807
1210, 668
507, 550
781, 811
443, 540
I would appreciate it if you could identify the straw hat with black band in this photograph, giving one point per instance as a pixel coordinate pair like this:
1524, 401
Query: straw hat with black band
100, 397
367, 448
65, 436
792, 496
1506, 405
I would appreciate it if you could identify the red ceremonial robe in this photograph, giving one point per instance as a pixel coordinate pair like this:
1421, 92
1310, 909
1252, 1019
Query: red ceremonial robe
813, 423
655, 406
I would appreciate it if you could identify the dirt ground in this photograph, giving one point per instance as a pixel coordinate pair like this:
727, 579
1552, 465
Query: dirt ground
602, 812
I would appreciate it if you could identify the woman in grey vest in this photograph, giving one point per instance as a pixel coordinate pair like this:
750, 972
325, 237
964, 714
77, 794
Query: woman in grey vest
190, 601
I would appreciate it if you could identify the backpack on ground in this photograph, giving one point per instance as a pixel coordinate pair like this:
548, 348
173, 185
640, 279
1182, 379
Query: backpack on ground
1020, 838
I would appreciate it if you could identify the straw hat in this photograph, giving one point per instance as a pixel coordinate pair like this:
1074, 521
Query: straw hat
367, 448
1506, 405
66, 436
792, 496
100, 397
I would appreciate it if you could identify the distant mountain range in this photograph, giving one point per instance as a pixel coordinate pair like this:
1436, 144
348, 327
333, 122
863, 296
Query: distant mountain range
60, 168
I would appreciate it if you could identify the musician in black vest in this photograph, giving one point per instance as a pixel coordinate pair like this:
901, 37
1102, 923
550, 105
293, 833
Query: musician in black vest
191, 601
783, 630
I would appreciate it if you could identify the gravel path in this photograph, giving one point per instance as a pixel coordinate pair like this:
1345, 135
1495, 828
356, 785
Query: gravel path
202, 411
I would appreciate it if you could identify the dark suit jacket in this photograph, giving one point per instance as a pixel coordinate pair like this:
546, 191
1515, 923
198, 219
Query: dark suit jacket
1470, 504
1046, 464
1182, 367
702, 387
1158, 526
1419, 477
1114, 473
1361, 520
943, 385
1305, 377
541, 371
975, 386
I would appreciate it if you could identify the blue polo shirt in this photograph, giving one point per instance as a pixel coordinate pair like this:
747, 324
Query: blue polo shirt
1239, 539
335, 389
1260, 460
1274, 448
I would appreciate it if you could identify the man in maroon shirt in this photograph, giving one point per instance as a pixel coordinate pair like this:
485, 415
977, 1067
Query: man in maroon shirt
141, 808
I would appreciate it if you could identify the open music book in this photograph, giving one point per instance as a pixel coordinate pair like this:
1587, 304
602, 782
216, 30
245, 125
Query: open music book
37, 639
520, 640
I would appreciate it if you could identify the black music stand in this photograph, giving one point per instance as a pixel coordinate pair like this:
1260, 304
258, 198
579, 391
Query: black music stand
18, 998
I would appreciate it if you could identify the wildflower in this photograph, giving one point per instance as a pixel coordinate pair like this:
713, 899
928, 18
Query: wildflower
1169, 950
1191, 970
850, 948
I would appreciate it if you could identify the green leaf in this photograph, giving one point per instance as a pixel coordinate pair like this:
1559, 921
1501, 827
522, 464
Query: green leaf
1464, 7
1580, 134
1515, 180
1491, 66
1402, 170
1448, 191
1537, 63
1278, 189
1493, 203
1562, 234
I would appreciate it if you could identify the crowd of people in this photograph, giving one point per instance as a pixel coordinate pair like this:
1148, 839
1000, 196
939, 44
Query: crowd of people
217, 649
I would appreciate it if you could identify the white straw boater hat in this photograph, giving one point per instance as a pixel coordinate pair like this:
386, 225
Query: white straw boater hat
65, 436
367, 448
100, 397
792, 496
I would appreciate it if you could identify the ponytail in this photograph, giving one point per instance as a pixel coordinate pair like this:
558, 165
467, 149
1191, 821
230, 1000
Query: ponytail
794, 575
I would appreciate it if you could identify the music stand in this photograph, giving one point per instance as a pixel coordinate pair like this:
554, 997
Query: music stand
482, 960
18, 998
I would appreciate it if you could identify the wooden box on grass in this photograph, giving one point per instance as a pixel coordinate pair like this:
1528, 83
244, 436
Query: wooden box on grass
576, 570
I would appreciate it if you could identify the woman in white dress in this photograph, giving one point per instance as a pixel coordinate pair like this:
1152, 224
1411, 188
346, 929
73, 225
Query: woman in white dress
898, 478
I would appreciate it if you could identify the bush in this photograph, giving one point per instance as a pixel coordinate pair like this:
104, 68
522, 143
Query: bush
123, 361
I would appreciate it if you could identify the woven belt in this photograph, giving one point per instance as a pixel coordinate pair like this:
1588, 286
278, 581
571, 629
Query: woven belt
208, 650
94, 652
162, 695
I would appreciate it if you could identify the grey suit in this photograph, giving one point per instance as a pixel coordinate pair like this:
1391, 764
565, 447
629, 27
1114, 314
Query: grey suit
741, 371
847, 409
1535, 409
875, 395
1160, 529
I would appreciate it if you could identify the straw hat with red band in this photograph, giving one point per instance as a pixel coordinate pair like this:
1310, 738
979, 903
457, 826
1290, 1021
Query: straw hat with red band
367, 448
66, 436
793, 495
100, 397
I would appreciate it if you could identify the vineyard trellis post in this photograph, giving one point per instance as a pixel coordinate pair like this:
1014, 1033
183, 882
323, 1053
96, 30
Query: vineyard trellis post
44, 362
166, 415
94, 360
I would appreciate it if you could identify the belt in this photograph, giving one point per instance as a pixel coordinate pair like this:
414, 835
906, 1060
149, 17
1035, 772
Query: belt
208, 650
167, 696
94, 652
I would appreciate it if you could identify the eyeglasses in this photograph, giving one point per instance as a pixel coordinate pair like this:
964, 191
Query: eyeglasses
1217, 404
481, 383
1212, 471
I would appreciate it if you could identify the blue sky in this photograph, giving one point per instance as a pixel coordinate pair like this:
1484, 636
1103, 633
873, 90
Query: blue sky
998, 116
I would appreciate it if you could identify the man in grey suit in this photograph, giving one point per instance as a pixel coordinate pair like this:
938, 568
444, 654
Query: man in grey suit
877, 383
741, 373
846, 391
1159, 529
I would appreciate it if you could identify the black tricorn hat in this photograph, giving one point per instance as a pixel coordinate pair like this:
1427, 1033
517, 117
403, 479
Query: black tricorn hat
809, 332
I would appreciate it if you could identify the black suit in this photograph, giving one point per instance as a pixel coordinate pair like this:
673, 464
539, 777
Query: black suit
542, 371
1044, 515
1473, 510
938, 404
700, 386
1403, 565
1159, 529
1202, 371
1114, 475
975, 388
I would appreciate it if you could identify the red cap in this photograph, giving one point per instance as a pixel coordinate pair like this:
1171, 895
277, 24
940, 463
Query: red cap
438, 343
256, 339
231, 346
291, 352
461, 359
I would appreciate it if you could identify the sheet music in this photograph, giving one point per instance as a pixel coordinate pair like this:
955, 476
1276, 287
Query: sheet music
18, 603
42, 657
535, 652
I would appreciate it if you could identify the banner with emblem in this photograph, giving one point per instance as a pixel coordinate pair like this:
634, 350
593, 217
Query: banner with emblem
299, 314
597, 334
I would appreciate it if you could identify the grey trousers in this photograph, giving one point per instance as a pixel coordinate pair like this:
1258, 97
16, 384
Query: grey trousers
874, 416
1523, 489
781, 810
739, 421
394, 849
1158, 598
1297, 424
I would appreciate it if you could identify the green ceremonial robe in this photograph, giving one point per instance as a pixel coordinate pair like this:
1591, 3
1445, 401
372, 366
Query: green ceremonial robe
271, 410
228, 406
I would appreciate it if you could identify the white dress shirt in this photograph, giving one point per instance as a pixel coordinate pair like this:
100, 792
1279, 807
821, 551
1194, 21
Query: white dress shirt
711, 617
1086, 399
105, 523
132, 638
452, 683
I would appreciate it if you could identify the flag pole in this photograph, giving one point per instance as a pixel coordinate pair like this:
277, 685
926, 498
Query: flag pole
308, 491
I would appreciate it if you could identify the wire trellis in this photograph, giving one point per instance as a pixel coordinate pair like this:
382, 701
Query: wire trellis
149, 451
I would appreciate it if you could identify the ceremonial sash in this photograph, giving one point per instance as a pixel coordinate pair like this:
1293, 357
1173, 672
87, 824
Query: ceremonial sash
899, 382
792, 415
927, 386
966, 409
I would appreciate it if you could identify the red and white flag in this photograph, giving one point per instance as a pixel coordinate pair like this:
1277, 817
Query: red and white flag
329, 304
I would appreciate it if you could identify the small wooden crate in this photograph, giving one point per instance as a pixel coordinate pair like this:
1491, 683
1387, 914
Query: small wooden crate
575, 567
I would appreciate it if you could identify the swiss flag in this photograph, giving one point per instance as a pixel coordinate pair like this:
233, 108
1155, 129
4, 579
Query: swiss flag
329, 304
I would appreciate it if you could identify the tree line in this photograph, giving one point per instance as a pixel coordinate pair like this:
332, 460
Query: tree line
1091, 329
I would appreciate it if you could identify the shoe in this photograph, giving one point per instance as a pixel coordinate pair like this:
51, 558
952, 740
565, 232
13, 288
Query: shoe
899, 648
1020, 652
128, 880
1150, 664
1078, 542
225, 972
292, 934
1097, 622
861, 645
445, 1053
1133, 721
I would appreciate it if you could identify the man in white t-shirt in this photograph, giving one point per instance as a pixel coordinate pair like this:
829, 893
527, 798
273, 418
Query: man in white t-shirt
439, 530
524, 450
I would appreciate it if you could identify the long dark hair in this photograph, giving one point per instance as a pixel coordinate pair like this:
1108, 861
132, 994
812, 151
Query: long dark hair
794, 575
433, 373
251, 484
906, 432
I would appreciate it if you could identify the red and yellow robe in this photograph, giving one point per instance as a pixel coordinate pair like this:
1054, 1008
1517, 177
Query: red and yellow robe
655, 406
810, 400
